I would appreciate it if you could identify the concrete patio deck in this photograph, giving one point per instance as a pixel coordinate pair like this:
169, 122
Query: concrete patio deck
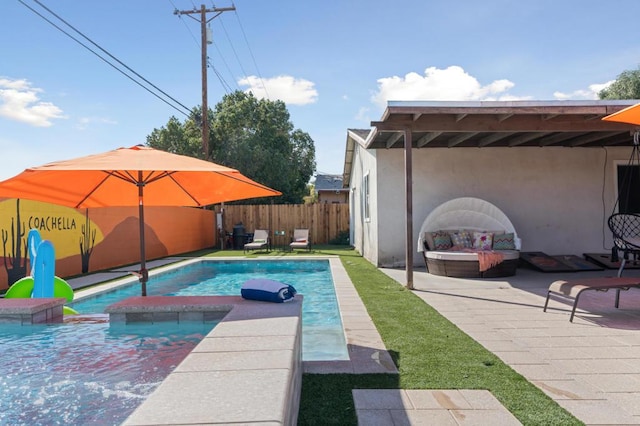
591, 367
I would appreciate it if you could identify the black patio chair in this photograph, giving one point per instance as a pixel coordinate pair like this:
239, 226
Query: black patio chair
626, 237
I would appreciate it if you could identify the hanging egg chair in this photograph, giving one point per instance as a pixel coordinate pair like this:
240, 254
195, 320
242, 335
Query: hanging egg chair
625, 225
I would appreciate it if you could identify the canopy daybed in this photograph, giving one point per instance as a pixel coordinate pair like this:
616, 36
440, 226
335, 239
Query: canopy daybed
482, 240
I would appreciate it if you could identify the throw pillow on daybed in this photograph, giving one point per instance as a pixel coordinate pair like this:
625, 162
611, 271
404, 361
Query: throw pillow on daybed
504, 241
441, 240
462, 239
482, 240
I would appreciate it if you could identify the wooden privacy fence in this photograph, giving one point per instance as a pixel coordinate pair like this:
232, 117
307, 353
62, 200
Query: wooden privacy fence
324, 221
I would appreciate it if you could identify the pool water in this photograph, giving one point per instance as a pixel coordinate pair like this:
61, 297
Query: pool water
322, 333
87, 372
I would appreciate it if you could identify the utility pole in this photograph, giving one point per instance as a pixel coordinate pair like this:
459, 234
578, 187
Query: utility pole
203, 29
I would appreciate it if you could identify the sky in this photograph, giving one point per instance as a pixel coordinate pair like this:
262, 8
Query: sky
335, 64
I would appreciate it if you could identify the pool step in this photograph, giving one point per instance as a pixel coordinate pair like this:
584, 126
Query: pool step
247, 370
28, 311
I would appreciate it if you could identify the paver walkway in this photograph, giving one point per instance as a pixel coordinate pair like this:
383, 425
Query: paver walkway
397, 407
591, 367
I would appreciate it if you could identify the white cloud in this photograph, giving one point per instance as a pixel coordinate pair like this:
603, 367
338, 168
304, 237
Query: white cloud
508, 98
450, 84
84, 122
19, 101
292, 91
589, 94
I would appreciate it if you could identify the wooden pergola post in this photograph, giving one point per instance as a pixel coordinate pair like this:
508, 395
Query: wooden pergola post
408, 182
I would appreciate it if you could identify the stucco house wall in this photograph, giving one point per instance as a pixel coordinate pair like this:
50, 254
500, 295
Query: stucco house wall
557, 198
364, 233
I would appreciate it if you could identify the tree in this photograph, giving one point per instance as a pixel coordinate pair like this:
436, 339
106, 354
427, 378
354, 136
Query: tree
178, 138
254, 136
311, 196
626, 86
258, 138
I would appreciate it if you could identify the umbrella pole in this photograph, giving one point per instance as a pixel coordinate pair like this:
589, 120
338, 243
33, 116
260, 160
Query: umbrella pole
144, 274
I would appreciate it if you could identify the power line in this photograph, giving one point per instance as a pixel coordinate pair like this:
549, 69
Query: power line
225, 86
226, 64
203, 30
233, 49
113, 57
105, 60
195, 40
251, 53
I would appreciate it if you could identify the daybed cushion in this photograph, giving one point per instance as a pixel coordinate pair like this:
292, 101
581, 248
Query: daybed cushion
441, 240
483, 240
267, 290
504, 241
462, 239
470, 256
428, 237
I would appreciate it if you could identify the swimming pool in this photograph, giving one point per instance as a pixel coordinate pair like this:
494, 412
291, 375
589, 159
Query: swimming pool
323, 334
87, 372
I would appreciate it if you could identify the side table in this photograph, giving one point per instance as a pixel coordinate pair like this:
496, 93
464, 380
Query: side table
280, 240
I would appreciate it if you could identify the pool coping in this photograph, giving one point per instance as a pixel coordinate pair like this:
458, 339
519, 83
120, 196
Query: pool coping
247, 370
31, 311
367, 352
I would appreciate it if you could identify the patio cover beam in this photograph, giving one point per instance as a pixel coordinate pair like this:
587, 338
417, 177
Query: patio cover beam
484, 123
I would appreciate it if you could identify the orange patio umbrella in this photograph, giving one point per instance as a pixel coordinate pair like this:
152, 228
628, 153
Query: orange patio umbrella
135, 176
630, 115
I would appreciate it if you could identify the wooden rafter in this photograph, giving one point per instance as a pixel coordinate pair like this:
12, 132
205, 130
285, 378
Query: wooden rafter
524, 138
427, 138
558, 137
393, 139
488, 140
457, 140
584, 140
